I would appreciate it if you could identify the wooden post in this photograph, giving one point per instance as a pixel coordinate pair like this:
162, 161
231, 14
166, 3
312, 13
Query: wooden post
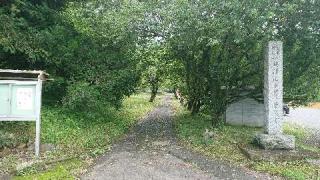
38, 117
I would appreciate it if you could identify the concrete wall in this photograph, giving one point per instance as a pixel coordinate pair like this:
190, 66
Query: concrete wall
246, 112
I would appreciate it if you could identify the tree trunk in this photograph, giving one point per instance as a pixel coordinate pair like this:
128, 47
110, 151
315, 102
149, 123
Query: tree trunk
154, 86
218, 117
153, 96
154, 91
195, 107
189, 104
175, 93
215, 120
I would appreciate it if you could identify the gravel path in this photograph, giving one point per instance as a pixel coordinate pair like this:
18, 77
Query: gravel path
308, 118
150, 151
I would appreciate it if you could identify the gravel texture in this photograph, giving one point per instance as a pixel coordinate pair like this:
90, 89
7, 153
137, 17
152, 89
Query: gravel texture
150, 151
308, 118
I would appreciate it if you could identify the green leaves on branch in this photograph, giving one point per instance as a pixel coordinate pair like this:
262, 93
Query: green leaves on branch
212, 51
220, 46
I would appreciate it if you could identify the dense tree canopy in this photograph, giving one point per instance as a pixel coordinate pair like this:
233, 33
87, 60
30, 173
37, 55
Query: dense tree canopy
211, 50
221, 47
87, 47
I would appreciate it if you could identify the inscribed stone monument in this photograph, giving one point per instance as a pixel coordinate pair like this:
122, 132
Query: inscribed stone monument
273, 101
273, 88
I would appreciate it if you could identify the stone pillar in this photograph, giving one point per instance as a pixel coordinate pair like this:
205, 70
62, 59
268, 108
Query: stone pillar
273, 88
273, 101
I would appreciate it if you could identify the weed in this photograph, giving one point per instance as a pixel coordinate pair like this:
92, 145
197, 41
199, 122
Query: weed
227, 139
77, 134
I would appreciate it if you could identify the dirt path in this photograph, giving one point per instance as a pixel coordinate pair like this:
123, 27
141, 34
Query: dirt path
150, 151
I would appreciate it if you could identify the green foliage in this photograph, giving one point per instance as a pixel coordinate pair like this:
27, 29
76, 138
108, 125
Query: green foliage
224, 143
220, 47
226, 140
13, 134
59, 172
79, 129
153, 66
291, 170
212, 51
219, 53
82, 135
6, 140
81, 97
299, 132
73, 44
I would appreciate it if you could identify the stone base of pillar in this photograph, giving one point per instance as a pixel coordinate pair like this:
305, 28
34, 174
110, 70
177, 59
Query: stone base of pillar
275, 141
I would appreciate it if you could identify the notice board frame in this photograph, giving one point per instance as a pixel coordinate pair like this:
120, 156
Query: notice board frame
37, 82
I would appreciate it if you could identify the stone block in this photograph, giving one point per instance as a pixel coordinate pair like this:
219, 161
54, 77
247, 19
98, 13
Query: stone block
275, 141
246, 112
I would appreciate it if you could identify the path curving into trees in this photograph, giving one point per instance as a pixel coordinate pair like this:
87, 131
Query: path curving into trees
150, 151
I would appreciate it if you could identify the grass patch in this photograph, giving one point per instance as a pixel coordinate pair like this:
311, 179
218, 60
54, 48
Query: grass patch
76, 134
58, 171
301, 135
296, 130
291, 170
225, 144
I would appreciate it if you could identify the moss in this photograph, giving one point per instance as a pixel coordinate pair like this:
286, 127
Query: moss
59, 172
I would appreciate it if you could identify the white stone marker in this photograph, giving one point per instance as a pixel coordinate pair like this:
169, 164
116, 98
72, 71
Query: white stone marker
273, 88
273, 101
